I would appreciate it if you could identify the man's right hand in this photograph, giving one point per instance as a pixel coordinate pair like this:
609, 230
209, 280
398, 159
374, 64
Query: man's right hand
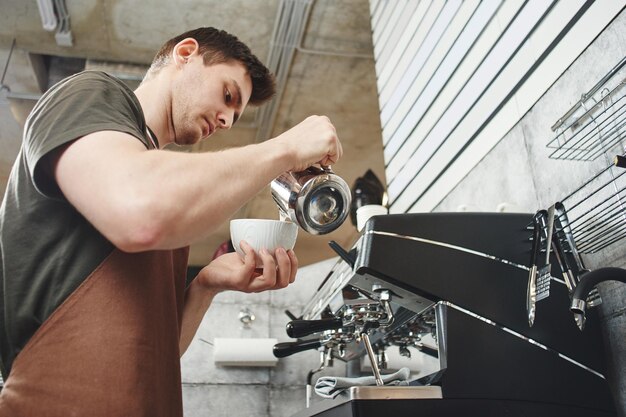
312, 141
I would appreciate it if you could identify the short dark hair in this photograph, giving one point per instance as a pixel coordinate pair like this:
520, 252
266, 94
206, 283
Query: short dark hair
218, 46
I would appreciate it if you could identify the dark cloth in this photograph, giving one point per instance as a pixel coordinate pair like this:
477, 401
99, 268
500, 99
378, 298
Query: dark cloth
47, 248
224, 248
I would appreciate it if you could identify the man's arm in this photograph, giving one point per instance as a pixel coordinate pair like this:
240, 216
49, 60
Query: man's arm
197, 302
153, 199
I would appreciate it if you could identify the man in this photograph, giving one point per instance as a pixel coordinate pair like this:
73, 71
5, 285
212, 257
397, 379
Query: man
96, 220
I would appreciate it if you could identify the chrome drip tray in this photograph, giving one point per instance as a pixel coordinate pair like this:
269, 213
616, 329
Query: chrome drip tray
392, 393
372, 393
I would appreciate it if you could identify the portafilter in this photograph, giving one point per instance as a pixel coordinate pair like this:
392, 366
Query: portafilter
316, 199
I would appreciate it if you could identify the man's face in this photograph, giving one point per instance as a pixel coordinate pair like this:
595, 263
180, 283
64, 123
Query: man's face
207, 98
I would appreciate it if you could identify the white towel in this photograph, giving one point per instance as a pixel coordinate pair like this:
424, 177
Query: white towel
331, 386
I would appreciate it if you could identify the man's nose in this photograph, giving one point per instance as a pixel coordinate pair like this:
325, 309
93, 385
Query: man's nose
225, 121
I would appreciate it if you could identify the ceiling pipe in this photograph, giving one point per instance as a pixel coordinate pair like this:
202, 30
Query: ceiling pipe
48, 16
288, 37
287, 31
63, 35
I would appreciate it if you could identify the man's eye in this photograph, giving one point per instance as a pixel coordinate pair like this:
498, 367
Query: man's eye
227, 96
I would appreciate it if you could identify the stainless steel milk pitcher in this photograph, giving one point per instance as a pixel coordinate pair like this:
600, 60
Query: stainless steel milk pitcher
316, 199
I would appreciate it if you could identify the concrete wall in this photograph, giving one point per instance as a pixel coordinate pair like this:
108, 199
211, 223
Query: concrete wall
518, 173
210, 390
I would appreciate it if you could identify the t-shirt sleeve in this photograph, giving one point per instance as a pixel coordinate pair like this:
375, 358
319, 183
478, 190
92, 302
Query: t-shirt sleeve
86, 103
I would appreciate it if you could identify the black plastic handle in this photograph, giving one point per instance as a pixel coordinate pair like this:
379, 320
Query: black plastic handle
536, 248
349, 257
429, 351
301, 328
284, 349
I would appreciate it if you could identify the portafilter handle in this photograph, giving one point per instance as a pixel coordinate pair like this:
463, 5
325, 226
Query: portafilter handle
285, 349
301, 328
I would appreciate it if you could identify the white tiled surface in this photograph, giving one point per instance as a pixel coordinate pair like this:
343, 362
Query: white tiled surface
234, 400
222, 320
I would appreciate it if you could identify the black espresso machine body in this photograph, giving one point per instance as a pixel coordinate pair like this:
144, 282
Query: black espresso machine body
467, 274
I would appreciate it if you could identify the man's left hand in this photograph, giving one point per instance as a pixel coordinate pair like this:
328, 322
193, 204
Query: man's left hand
231, 272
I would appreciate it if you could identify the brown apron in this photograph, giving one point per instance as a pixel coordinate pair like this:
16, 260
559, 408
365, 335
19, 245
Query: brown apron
111, 349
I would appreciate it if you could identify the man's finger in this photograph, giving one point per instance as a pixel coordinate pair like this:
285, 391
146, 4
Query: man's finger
249, 259
284, 268
294, 265
268, 279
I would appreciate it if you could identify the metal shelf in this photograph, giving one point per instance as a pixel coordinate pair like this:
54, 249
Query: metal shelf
601, 129
597, 210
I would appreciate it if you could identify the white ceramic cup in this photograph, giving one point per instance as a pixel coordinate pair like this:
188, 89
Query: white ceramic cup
364, 213
263, 234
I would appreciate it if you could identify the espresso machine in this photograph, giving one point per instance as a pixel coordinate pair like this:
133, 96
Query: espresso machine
455, 288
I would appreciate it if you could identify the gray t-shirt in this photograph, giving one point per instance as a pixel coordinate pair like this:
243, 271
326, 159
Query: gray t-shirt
47, 248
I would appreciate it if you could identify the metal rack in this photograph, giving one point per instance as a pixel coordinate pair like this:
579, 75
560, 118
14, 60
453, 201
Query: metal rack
600, 129
598, 210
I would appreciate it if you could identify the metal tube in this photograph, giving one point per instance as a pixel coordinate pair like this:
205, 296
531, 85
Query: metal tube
309, 386
370, 353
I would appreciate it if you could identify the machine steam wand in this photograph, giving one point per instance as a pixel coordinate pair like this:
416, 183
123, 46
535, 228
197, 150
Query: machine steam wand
375, 322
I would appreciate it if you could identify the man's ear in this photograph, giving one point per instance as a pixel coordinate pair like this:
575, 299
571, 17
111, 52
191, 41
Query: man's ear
184, 50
